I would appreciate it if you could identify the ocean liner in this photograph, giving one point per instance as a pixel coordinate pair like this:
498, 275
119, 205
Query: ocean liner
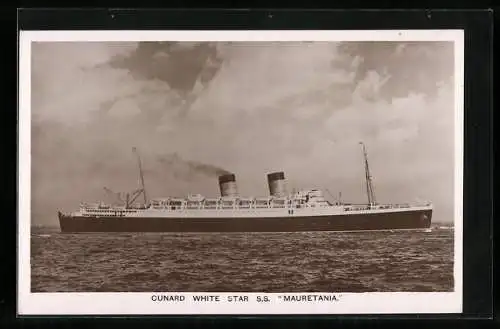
300, 211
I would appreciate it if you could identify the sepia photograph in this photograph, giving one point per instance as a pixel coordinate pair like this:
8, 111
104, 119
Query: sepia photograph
281, 168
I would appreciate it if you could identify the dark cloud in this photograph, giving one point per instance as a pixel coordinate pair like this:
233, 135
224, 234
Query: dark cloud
180, 68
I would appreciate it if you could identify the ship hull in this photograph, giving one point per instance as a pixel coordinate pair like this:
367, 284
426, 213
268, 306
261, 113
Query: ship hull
397, 220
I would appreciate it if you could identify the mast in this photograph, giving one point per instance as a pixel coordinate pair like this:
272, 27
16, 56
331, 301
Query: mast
368, 178
141, 175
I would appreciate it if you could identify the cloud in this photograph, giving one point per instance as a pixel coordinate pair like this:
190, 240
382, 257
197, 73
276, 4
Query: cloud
417, 66
66, 88
247, 108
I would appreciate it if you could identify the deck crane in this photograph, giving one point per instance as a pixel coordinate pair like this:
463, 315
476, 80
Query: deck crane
130, 197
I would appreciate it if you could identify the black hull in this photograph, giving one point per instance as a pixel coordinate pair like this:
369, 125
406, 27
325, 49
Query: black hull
397, 220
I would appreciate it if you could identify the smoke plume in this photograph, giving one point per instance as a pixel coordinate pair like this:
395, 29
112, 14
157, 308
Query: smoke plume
175, 161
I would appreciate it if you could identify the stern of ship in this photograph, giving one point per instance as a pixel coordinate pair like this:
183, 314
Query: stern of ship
423, 216
426, 218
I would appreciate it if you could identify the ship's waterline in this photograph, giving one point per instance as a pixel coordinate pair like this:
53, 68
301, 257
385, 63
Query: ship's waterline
416, 219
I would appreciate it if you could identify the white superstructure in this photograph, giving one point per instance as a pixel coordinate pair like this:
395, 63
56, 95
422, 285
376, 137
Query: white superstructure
304, 203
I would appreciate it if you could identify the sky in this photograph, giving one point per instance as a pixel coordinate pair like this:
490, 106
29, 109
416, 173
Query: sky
195, 110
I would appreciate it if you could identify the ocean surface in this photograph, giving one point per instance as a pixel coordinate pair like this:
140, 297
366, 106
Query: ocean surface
274, 262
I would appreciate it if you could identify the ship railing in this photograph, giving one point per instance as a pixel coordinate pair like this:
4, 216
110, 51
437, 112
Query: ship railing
227, 203
261, 204
405, 205
358, 207
246, 205
173, 204
234, 205
279, 203
193, 205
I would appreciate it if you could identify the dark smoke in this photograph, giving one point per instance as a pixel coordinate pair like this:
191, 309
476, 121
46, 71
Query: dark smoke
176, 162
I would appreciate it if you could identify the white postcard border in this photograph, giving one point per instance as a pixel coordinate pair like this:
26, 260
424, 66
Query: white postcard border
142, 303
